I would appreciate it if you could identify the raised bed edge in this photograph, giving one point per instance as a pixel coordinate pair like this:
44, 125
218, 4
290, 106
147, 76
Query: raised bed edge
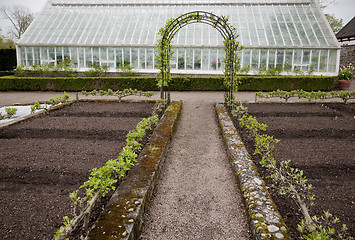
265, 220
122, 216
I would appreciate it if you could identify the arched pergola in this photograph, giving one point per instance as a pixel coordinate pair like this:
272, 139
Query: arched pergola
231, 46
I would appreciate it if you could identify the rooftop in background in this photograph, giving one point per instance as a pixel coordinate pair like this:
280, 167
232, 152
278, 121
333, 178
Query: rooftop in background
347, 33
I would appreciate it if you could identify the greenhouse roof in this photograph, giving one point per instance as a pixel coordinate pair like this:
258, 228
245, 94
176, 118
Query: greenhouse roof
260, 23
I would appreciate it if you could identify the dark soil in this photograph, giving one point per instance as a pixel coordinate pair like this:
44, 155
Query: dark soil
46, 157
319, 139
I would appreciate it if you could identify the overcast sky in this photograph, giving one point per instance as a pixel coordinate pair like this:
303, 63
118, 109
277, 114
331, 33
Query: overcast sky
344, 9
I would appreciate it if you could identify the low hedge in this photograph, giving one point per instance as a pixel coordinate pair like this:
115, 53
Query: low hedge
248, 83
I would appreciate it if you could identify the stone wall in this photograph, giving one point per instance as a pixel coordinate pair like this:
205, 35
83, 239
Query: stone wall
347, 55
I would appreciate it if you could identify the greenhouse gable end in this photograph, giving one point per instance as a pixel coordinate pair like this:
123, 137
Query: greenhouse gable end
288, 34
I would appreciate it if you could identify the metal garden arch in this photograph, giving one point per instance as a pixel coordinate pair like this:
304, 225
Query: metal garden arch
231, 46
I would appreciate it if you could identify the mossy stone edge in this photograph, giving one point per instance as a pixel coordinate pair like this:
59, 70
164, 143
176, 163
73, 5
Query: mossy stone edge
122, 216
265, 220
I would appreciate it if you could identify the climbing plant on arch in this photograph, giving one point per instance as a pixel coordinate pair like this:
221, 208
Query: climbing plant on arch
231, 46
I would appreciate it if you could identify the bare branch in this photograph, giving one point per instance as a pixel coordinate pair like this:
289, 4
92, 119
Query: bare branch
20, 18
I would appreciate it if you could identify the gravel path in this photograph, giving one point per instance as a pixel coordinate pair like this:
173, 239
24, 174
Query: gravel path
197, 195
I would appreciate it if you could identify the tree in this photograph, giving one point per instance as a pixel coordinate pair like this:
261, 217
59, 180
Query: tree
20, 18
335, 23
6, 43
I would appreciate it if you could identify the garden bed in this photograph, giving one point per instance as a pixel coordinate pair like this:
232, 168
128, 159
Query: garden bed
48, 156
319, 139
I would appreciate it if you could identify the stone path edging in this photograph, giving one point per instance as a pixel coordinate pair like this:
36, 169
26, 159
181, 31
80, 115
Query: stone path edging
265, 220
122, 216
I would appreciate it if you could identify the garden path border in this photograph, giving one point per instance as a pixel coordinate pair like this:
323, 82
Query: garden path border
265, 220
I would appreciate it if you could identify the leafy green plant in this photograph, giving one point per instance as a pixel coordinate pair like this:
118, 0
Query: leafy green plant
96, 71
289, 181
101, 180
311, 96
245, 69
9, 112
119, 93
126, 69
325, 227
273, 71
54, 101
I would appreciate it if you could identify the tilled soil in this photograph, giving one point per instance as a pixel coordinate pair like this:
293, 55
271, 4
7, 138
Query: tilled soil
45, 158
319, 139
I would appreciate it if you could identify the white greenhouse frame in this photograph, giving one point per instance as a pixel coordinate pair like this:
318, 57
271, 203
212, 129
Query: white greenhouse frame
110, 33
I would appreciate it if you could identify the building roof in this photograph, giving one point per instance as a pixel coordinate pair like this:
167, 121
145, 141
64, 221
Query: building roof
260, 23
347, 33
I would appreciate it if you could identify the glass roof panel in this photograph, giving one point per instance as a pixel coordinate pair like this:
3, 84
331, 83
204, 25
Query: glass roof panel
260, 23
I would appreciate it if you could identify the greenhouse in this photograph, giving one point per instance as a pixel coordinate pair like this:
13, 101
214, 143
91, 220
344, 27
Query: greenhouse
291, 35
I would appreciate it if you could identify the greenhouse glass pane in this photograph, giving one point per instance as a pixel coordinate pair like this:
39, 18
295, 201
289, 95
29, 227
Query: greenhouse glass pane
297, 58
36, 53
111, 54
197, 59
283, 26
221, 57
189, 58
103, 54
74, 56
150, 53
126, 56
59, 54
81, 63
288, 57
181, 58
44, 54
246, 57
190, 34
255, 59
313, 21
315, 60
66, 53
306, 57
260, 26
29, 56
134, 57
275, 27
299, 27
272, 54
307, 26
213, 59
119, 57
205, 57
23, 55
263, 58
173, 60
332, 60
290, 25
252, 26
280, 58
51, 53
88, 57
268, 28
323, 60
198, 34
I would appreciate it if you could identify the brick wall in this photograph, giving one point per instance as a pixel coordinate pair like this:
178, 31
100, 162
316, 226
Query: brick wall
347, 55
